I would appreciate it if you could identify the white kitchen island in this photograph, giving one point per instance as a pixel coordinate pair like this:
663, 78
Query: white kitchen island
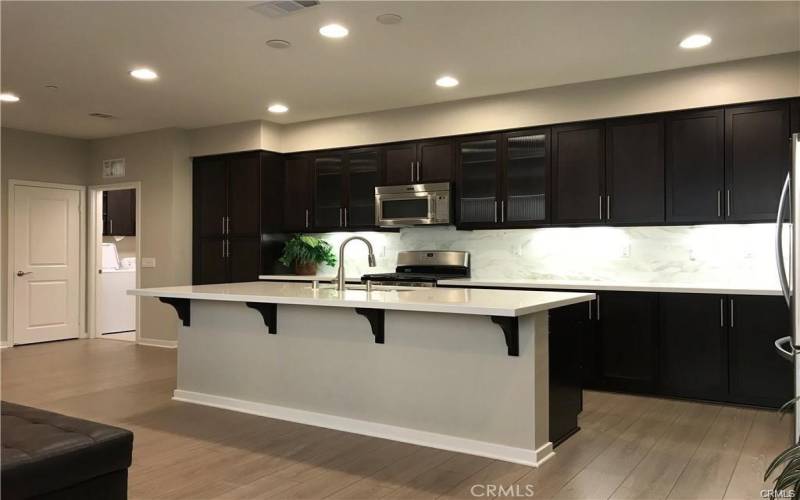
458, 369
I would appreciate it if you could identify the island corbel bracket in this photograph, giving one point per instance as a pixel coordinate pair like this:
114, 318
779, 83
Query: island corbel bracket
375, 318
510, 327
181, 306
269, 312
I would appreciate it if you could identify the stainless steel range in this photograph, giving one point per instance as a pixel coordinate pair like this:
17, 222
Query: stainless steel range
423, 268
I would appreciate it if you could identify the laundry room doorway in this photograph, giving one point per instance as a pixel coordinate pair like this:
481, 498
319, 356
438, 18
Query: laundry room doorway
114, 261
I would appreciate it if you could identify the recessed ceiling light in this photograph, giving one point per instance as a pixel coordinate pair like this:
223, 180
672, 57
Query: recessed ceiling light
334, 31
695, 41
447, 81
278, 108
389, 18
8, 97
144, 74
278, 44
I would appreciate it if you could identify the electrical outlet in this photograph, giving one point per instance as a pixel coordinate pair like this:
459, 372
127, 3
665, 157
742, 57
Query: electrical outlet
148, 262
626, 250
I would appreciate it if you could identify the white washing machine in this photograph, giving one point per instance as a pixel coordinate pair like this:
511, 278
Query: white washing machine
116, 310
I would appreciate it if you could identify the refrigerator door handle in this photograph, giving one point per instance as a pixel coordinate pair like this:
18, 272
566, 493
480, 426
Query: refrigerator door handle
787, 352
784, 281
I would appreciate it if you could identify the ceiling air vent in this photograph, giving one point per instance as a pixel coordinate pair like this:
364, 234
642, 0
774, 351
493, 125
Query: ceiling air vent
105, 116
280, 8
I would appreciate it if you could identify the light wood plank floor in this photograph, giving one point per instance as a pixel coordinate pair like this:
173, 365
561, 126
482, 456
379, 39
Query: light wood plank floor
630, 447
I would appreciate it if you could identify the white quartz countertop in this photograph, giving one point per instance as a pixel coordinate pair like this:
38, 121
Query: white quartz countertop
509, 303
323, 278
511, 283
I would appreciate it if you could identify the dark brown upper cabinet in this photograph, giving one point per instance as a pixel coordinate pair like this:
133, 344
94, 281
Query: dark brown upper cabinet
795, 118
419, 162
757, 157
578, 173
695, 166
297, 215
119, 212
236, 197
344, 189
524, 196
635, 170
478, 181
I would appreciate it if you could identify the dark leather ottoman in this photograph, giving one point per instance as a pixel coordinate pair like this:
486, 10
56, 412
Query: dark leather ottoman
50, 456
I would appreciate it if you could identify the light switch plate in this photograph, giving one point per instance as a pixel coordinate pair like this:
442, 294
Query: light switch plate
148, 262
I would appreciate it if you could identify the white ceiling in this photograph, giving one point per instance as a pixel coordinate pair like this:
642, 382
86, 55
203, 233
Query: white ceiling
215, 68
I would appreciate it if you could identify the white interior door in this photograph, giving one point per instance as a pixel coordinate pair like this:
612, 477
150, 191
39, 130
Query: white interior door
46, 264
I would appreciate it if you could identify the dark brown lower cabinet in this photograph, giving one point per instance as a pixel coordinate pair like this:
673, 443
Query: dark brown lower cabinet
231, 260
693, 346
627, 330
758, 376
567, 329
210, 266
244, 259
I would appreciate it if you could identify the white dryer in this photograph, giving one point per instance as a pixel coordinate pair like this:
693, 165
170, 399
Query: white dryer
116, 310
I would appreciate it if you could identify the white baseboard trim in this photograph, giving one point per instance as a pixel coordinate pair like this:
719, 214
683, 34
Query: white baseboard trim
4, 344
522, 456
167, 344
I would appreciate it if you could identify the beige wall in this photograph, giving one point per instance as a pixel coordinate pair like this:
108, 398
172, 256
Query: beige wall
738, 81
242, 136
32, 156
160, 161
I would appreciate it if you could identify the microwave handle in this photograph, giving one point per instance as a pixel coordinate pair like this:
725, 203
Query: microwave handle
431, 201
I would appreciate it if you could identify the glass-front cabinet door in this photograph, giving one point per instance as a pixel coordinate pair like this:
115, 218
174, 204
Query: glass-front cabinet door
328, 189
362, 176
478, 162
526, 177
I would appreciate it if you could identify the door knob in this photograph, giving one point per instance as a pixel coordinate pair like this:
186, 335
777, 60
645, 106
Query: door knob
20, 273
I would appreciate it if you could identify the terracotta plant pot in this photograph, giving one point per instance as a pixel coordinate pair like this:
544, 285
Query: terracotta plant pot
305, 268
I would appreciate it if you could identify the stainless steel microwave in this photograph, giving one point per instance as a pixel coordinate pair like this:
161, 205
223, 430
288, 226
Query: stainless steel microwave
412, 205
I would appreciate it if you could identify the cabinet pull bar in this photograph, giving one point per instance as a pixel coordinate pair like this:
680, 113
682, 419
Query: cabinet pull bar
418, 176
598, 307
412, 171
228, 224
719, 203
223, 225
502, 210
340, 218
345, 217
600, 199
111, 224
495, 210
608, 207
731, 311
721, 313
306, 218
590, 308
223, 249
728, 202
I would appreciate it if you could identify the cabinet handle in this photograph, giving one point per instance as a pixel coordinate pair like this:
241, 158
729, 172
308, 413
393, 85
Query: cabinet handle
598, 307
600, 199
721, 313
608, 207
495, 210
340, 218
224, 254
111, 226
502, 210
412, 172
591, 305
228, 225
306, 218
223, 225
728, 202
731, 311
719, 203
418, 176
345, 217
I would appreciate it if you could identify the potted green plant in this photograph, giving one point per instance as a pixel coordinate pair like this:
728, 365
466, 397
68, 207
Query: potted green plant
304, 253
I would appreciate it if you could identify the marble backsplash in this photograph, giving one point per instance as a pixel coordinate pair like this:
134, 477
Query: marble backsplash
710, 254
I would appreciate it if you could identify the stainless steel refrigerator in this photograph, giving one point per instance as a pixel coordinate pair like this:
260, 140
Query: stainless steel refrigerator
789, 347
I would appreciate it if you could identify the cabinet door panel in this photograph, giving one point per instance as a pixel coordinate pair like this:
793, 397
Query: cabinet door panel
329, 191
578, 173
362, 177
628, 324
478, 180
400, 167
695, 166
694, 346
211, 264
435, 161
243, 194
244, 259
635, 170
758, 375
567, 328
526, 176
757, 157
297, 201
120, 212
210, 196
